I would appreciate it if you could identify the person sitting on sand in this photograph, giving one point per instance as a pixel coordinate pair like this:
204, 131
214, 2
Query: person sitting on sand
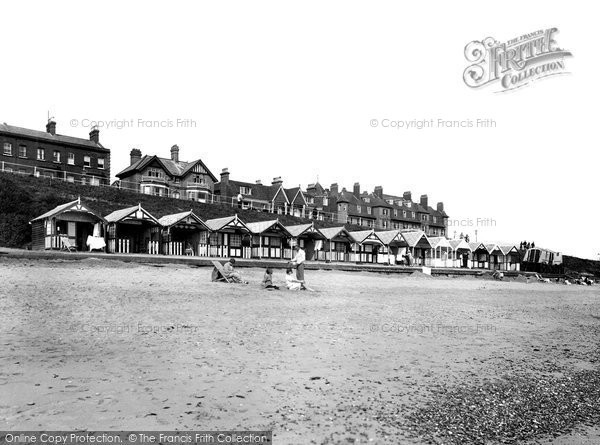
230, 273
291, 282
267, 281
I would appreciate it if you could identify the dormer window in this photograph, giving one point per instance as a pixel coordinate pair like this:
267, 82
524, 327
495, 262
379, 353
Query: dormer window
366, 199
245, 191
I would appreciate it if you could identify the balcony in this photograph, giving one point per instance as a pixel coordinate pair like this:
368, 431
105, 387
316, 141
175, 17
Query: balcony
154, 180
193, 186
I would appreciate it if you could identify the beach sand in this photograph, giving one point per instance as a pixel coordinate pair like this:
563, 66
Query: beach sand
97, 344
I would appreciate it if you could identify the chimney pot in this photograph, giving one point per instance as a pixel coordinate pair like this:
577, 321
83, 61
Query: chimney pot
95, 135
225, 176
175, 153
135, 155
51, 128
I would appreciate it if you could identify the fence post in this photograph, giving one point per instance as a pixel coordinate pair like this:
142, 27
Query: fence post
2, 165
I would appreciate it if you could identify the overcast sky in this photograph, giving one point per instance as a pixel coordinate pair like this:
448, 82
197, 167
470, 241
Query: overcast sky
290, 89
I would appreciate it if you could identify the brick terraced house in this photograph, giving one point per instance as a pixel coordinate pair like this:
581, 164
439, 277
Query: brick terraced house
48, 154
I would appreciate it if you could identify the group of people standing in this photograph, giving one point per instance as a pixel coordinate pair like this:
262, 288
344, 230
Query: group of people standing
526, 245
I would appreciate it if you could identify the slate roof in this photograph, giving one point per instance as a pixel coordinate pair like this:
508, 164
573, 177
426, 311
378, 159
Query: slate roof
175, 169
45, 136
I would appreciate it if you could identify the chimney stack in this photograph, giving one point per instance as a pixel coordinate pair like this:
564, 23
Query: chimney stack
357, 189
175, 153
378, 192
225, 176
440, 206
407, 196
277, 181
95, 135
334, 188
424, 201
51, 128
135, 155
258, 182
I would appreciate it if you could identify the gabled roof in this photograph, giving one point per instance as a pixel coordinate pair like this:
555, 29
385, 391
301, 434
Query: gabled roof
73, 206
491, 247
438, 241
260, 227
365, 236
476, 246
301, 229
172, 168
389, 236
280, 191
415, 237
135, 212
506, 249
170, 220
459, 244
296, 193
232, 222
331, 232
44, 135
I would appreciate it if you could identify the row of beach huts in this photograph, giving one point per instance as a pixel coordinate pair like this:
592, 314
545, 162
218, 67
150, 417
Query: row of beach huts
75, 226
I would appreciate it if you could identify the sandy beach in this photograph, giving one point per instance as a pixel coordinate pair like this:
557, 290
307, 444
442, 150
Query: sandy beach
97, 344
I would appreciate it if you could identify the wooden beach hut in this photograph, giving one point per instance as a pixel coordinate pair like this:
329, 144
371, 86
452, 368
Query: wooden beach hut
511, 257
133, 230
72, 226
308, 237
441, 252
270, 239
181, 233
480, 258
460, 253
418, 245
228, 238
336, 246
495, 255
392, 251
365, 246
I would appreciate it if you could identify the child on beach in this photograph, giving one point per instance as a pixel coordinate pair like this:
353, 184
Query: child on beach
291, 282
267, 281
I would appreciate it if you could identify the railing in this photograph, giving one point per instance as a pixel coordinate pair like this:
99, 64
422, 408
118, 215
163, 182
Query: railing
88, 179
